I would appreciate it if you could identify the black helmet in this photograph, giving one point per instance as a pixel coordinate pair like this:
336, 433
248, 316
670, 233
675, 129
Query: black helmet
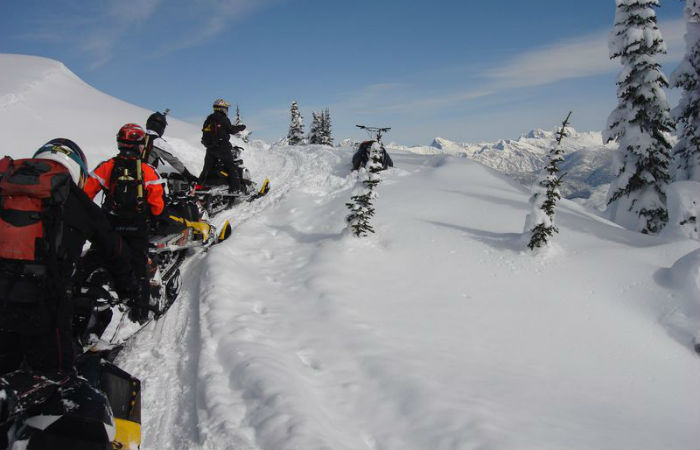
157, 123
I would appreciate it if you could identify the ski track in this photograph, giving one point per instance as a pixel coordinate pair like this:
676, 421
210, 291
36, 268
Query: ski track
176, 357
241, 406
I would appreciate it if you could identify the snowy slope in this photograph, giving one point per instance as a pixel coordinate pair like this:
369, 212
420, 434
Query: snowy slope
41, 99
436, 333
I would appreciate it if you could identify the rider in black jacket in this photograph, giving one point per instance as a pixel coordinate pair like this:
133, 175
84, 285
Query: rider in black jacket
216, 135
36, 307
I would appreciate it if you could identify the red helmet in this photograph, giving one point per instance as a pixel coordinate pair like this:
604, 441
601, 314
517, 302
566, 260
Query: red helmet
130, 136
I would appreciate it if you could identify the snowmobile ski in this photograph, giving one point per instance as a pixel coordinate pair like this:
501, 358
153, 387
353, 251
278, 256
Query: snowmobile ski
264, 189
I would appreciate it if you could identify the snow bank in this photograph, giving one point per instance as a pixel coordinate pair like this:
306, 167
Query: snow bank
683, 202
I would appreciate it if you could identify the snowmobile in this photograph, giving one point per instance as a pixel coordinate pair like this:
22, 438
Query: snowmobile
215, 197
104, 319
99, 408
361, 156
184, 227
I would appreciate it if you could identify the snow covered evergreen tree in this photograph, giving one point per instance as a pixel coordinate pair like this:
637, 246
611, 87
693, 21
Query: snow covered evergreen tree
295, 136
539, 224
641, 122
326, 135
315, 130
237, 116
237, 121
687, 114
322, 127
361, 208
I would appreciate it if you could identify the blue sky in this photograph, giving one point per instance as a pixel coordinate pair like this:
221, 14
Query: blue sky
465, 70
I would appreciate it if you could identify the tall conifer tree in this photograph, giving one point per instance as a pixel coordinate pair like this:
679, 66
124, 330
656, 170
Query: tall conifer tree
295, 136
687, 114
539, 224
641, 122
326, 135
315, 130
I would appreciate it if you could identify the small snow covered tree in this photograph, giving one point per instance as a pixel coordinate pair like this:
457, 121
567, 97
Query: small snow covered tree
687, 114
539, 224
641, 122
315, 130
296, 126
326, 136
237, 116
361, 208
237, 121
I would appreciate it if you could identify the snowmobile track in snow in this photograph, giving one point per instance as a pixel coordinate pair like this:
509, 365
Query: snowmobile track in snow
166, 354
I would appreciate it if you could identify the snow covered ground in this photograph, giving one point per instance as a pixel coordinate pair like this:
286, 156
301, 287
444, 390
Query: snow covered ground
438, 332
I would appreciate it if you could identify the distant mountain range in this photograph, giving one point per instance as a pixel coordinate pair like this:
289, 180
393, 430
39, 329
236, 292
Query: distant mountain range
587, 161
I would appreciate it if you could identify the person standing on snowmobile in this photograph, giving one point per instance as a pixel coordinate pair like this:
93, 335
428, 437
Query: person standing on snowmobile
44, 222
133, 193
158, 150
216, 135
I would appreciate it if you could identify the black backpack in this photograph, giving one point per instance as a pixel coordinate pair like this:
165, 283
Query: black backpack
125, 198
209, 132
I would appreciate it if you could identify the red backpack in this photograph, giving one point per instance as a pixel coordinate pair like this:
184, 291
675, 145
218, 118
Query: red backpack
32, 194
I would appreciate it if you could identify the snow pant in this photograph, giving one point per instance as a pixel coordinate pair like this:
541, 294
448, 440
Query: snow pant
224, 155
134, 233
41, 338
138, 246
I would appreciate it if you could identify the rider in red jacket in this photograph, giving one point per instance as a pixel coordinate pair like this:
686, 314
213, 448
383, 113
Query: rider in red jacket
130, 140
133, 193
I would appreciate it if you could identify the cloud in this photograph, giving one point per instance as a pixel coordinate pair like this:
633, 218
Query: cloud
580, 57
577, 58
91, 28
205, 19
98, 28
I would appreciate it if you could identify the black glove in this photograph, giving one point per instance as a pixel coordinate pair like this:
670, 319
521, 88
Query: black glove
128, 289
138, 314
189, 177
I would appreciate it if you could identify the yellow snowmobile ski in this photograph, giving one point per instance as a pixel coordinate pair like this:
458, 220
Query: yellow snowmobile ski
225, 232
202, 228
264, 187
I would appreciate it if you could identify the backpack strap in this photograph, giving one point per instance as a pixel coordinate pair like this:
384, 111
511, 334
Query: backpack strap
148, 146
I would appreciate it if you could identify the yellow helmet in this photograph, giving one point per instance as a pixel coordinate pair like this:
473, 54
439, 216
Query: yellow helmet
220, 103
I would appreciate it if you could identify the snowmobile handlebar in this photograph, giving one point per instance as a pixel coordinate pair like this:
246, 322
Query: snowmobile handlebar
377, 131
382, 129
